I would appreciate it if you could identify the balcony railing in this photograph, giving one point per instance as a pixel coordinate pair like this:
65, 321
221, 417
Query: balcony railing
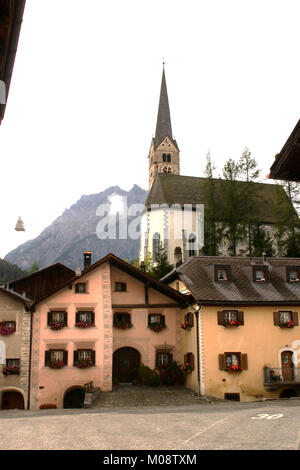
281, 375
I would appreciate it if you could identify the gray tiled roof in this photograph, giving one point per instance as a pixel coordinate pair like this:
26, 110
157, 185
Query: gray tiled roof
170, 189
197, 273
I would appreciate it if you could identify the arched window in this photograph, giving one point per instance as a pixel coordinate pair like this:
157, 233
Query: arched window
192, 244
168, 158
155, 246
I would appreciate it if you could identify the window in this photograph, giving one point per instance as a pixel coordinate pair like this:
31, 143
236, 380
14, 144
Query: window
57, 317
12, 367
260, 274
156, 318
168, 158
233, 361
285, 318
12, 362
293, 274
10, 325
84, 357
80, 288
85, 317
230, 318
189, 320
7, 328
164, 157
56, 356
190, 360
163, 359
122, 320
155, 246
192, 245
222, 273
121, 287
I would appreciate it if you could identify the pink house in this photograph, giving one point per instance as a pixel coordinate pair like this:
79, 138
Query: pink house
99, 325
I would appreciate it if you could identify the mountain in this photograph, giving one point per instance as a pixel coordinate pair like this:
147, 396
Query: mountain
10, 272
74, 232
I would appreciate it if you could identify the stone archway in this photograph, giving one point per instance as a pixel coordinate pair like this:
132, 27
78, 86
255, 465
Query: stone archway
12, 400
126, 362
74, 397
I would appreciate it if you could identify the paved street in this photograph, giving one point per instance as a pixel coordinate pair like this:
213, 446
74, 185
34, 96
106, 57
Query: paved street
217, 425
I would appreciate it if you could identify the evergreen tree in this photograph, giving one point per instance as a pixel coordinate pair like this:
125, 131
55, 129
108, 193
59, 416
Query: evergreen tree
288, 224
261, 241
233, 205
162, 266
34, 268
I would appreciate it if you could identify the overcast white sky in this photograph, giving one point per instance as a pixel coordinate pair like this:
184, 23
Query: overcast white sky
84, 95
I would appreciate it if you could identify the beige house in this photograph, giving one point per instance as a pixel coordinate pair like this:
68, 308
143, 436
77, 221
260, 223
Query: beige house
245, 340
15, 326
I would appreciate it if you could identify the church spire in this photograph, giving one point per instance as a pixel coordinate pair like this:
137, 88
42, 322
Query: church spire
163, 124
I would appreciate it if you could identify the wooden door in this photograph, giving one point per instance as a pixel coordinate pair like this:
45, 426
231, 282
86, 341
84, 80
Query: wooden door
12, 401
287, 366
126, 362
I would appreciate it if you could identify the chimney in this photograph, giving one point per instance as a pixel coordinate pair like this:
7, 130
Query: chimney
87, 257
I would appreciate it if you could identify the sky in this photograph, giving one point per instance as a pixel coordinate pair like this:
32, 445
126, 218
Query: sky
83, 102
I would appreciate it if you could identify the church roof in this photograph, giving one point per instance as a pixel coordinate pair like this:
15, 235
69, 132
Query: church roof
163, 124
287, 163
177, 189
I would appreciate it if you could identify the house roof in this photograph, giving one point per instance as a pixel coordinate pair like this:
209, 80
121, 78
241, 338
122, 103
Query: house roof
42, 282
287, 163
132, 271
177, 189
24, 300
198, 275
11, 17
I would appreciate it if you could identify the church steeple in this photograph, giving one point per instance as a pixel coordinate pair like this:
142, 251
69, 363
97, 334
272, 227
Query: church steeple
163, 124
164, 151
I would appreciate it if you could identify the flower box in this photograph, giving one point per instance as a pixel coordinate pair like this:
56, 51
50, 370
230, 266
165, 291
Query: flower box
232, 324
122, 325
83, 324
57, 325
5, 331
187, 368
55, 364
84, 363
234, 369
157, 327
11, 370
186, 325
287, 324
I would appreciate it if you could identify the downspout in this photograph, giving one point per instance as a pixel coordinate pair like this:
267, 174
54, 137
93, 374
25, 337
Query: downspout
31, 310
201, 389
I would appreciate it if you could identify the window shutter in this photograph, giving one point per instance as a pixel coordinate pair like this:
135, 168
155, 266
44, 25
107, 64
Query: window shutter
220, 318
162, 319
295, 318
276, 318
222, 362
185, 359
49, 318
77, 317
156, 360
240, 317
170, 358
127, 318
244, 361
149, 323
93, 357
93, 317
65, 360
192, 318
75, 356
47, 357
192, 361
66, 318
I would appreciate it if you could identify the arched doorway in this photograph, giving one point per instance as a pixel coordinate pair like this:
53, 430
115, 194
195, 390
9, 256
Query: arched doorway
126, 362
74, 398
288, 393
12, 400
287, 366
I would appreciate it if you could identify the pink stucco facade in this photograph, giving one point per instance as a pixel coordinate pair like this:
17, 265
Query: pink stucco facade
49, 386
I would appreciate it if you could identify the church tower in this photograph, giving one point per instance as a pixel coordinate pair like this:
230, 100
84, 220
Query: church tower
164, 151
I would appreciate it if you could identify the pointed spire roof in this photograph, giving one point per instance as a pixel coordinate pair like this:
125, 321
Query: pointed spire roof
163, 124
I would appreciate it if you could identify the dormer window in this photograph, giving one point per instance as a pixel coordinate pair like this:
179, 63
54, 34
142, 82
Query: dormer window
260, 274
222, 273
293, 274
80, 288
121, 287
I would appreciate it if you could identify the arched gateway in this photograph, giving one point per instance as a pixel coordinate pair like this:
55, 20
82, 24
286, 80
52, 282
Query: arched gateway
12, 400
126, 362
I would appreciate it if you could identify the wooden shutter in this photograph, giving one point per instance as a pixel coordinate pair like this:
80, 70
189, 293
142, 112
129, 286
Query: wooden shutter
240, 317
49, 318
192, 360
163, 320
156, 360
221, 318
191, 318
295, 318
170, 358
93, 317
75, 356
65, 359
77, 317
127, 318
222, 361
276, 318
93, 357
244, 361
47, 357
149, 316
66, 318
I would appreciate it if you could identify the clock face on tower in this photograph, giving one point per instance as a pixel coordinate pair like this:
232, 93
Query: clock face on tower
167, 169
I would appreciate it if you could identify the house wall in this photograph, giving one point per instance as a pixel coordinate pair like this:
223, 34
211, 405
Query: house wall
15, 346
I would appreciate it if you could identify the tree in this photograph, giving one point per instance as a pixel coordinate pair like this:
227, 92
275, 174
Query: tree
162, 266
249, 173
233, 206
34, 268
261, 241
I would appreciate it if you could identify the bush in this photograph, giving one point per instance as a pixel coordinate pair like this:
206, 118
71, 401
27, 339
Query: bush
145, 374
172, 374
155, 380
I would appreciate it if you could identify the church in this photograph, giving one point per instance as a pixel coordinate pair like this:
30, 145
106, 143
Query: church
174, 210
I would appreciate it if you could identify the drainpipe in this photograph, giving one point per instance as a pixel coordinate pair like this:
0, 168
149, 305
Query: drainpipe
30, 354
199, 362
